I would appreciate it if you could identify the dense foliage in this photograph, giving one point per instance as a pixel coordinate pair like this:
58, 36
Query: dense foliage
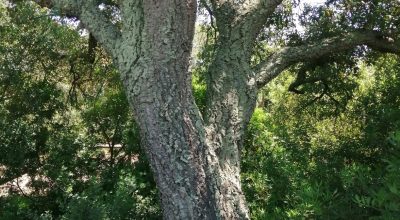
332, 151
66, 125
320, 158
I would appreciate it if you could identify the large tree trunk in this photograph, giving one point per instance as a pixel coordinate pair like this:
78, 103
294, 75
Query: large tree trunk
154, 65
193, 182
196, 163
231, 101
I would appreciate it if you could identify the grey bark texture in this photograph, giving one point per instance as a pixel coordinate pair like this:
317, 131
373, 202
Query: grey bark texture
196, 160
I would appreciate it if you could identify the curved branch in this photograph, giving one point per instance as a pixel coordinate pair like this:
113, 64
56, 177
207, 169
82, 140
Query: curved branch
88, 12
103, 30
259, 13
285, 57
251, 17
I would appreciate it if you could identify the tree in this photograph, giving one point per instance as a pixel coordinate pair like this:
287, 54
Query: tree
195, 157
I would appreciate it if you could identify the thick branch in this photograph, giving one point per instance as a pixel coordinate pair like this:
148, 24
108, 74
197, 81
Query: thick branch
259, 13
239, 23
103, 30
88, 12
253, 13
285, 57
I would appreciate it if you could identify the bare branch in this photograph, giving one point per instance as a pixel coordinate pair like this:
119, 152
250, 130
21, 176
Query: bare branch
285, 57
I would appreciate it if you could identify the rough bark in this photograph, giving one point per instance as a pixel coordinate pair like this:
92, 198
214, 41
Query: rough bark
231, 96
196, 162
154, 68
232, 99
